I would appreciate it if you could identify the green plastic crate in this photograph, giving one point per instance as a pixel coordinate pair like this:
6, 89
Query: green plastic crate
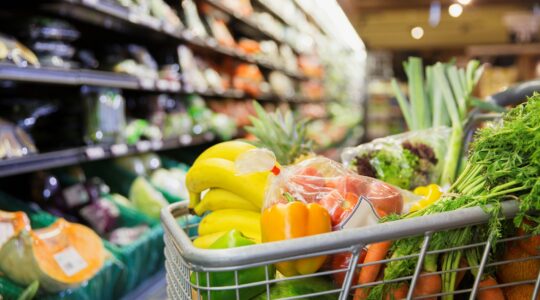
142, 258
101, 286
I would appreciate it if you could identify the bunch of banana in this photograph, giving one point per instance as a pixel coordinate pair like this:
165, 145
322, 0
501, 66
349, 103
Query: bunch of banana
234, 200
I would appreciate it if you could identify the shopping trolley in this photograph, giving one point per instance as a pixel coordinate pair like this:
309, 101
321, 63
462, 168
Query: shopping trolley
188, 268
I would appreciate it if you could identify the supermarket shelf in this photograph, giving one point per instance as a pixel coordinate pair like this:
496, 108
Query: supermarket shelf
249, 23
92, 153
122, 81
121, 19
69, 77
264, 4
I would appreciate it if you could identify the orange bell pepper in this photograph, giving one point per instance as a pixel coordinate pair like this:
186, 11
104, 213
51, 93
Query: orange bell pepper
291, 220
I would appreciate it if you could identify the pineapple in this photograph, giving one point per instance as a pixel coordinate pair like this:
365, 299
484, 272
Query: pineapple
279, 133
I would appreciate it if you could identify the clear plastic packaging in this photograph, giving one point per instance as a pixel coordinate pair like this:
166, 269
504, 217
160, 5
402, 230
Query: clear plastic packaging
14, 142
105, 116
351, 200
407, 160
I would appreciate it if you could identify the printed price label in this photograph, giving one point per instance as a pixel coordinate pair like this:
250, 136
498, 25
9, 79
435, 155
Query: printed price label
146, 83
212, 42
169, 28
134, 17
75, 195
157, 144
174, 86
70, 261
119, 149
209, 136
95, 152
143, 146
6, 231
185, 139
90, 2
187, 35
162, 84
149, 21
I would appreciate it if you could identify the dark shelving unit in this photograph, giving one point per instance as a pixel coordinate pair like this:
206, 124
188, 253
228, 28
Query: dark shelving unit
121, 19
9, 72
66, 157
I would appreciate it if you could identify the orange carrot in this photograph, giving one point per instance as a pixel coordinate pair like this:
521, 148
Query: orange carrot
459, 276
399, 293
428, 285
532, 244
375, 252
492, 293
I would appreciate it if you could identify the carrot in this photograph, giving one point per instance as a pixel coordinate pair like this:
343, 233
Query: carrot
459, 276
492, 293
530, 245
375, 252
399, 293
428, 285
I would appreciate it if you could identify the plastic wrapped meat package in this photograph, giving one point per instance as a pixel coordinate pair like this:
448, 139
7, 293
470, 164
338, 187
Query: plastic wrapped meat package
351, 200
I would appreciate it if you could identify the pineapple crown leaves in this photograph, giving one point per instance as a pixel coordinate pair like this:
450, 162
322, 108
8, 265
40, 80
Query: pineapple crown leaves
280, 133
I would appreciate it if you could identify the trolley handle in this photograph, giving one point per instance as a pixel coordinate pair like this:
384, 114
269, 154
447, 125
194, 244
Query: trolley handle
333, 242
515, 94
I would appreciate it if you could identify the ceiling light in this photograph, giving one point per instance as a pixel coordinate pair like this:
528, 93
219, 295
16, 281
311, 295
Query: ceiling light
464, 2
417, 32
455, 10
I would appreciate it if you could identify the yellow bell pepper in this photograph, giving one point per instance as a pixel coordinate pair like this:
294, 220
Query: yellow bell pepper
291, 220
431, 194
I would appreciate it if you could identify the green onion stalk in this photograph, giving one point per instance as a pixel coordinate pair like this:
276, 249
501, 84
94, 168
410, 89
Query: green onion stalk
444, 98
504, 163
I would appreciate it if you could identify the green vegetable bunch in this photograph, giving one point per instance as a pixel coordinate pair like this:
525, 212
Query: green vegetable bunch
504, 163
442, 99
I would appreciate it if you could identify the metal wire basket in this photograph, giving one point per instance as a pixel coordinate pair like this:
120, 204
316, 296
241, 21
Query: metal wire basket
182, 258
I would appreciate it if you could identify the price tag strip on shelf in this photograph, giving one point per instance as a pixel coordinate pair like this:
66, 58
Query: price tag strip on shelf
143, 146
95, 153
119, 149
157, 144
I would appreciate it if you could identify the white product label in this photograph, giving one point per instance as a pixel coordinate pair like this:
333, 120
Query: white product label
146, 83
185, 139
75, 195
362, 215
6, 231
162, 84
70, 261
119, 149
168, 28
143, 146
90, 2
174, 86
95, 153
157, 144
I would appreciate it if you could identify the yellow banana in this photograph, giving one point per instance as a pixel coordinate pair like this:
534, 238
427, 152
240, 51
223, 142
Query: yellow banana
247, 222
220, 173
216, 199
227, 150
204, 241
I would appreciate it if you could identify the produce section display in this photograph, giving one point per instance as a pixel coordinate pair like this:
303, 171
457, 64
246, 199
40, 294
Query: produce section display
105, 106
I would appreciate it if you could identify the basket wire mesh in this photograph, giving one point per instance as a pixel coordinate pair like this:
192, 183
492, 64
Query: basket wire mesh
183, 259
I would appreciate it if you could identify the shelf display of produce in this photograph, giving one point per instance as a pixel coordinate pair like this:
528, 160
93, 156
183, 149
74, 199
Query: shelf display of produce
104, 106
